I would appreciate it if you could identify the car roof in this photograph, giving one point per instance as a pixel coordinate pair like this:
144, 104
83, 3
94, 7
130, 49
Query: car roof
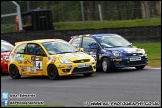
108, 34
39, 41
94, 35
4, 41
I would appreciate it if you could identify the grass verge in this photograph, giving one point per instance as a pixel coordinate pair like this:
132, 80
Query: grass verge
107, 24
153, 21
153, 50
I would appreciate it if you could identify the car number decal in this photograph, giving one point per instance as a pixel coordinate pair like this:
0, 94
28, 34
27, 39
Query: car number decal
39, 64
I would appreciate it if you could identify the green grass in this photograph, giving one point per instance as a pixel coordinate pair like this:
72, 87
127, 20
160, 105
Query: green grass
107, 24
153, 50
8, 28
94, 24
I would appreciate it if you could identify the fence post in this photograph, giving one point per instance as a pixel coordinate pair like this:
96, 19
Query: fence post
100, 12
82, 11
147, 10
19, 15
160, 7
28, 5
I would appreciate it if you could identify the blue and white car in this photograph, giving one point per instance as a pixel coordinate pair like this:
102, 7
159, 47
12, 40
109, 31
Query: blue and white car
110, 51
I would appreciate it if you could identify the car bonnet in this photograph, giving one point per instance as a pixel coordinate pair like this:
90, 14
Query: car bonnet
74, 56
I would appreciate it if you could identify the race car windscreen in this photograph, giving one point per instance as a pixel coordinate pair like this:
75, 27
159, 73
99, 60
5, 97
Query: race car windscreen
113, 41
59, 47
6, 47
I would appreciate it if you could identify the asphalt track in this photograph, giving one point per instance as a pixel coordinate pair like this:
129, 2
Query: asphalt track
123, 85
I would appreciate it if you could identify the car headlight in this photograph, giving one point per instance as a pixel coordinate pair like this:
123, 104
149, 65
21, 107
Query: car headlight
92, 58
6, 58
64, 60
143, 51
116, 53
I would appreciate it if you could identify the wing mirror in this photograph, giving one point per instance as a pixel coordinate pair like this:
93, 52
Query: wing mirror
93, 45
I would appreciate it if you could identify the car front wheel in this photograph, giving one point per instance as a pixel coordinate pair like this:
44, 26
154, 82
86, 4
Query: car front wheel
14, 72
52, 72
106, 67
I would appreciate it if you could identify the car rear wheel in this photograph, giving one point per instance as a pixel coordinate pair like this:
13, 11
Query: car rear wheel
106, 66
140, 67
52, 72
87, 74
14, 72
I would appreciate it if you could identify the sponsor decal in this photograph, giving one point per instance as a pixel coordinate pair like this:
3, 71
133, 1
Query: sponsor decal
12, 61
49, 58
28, 69
53, 60
34, 63
25, 62
33, 69
22, 55
22, 69
29, 60
12, 55
19, 57
19, 61
33, 58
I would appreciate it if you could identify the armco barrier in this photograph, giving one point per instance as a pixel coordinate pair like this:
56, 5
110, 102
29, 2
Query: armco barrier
133, 34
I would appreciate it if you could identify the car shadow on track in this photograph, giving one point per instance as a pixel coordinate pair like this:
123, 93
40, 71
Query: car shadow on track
5, 74
122, 70
81, 76
60, 78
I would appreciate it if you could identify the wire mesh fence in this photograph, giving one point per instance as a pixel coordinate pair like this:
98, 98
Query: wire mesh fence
110, 10
8, 11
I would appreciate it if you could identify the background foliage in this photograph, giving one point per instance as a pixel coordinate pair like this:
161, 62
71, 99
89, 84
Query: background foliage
111, 10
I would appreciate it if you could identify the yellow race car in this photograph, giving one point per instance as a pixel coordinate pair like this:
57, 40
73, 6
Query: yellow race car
49, 57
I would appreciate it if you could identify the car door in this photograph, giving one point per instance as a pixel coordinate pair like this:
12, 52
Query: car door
19, 57
35, 58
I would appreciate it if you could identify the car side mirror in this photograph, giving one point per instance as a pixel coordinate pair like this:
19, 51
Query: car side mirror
93, 46
81, 49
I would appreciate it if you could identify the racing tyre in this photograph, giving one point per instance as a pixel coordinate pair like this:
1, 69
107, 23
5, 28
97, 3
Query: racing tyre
106, 66
87, 74
14, 72
140, 67
52, 72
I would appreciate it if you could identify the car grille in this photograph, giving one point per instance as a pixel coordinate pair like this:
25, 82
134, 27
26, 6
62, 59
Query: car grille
135, 63
81, 61
78, 70
134, 54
